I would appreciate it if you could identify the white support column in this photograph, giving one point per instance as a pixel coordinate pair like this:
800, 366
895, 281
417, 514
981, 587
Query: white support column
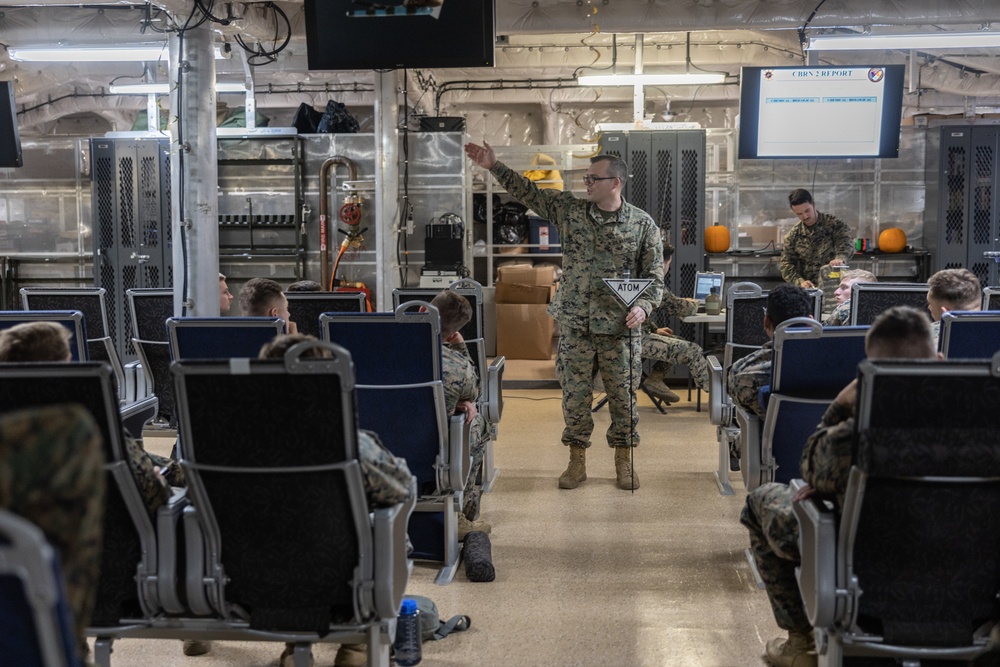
194, 173
638, 95
386, 187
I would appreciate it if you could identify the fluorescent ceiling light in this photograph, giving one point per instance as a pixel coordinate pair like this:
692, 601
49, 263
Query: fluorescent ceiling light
164, 88
121, 53
683, 79
905, 42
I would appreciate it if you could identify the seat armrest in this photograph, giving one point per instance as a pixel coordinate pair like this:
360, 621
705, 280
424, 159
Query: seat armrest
136, 415
459, 454
392, 565
719, 412
750, 430
197, 565
817, 573
170, 562
494, 383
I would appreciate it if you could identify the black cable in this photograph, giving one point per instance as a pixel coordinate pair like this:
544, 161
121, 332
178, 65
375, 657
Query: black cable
802, 30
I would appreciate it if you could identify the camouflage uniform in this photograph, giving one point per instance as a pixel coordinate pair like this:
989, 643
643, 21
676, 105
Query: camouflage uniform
51, 473
671, 350
387, 478
591, 319
806, 249
774, 530
840, 317
153, 488
461, 382
748, 375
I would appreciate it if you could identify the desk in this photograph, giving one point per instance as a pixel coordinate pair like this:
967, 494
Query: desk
701, 320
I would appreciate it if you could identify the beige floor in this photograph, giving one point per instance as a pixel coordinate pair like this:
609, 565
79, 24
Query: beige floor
592, 577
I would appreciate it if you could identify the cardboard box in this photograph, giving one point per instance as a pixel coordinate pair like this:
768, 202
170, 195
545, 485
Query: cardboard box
524, 331
762, 235
535, 275
520, 293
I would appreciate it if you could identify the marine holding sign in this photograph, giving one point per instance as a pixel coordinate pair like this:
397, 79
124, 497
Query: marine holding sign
600, 235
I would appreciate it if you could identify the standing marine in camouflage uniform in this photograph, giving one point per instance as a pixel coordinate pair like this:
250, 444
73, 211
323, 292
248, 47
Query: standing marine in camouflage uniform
461, 391
900, 332
51, 473
661, 345
817, 239
601, 236
747, 375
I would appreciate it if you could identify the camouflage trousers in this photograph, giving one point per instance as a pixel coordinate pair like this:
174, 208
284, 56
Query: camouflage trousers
774, 534
51, 474
479, 435
673, 350
578, 357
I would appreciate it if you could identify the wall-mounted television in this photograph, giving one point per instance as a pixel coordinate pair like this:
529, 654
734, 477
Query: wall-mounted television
813, 112
340, 35
10, 138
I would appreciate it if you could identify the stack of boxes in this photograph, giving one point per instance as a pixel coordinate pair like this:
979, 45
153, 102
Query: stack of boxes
524, 329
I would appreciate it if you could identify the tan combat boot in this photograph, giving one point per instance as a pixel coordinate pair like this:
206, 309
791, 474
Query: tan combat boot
577, 470
799, 650
627, 479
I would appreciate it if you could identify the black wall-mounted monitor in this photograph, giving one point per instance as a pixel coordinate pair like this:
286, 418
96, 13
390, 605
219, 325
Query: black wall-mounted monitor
820, 112
340, 36
10, 138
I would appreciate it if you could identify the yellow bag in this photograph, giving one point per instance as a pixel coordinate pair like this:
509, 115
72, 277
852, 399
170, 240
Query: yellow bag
546, 179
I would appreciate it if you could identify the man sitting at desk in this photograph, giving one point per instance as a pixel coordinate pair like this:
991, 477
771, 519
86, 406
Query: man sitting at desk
661, 345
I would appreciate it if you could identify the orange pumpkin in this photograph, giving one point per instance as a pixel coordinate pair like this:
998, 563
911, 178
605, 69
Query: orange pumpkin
892, 240
717, 238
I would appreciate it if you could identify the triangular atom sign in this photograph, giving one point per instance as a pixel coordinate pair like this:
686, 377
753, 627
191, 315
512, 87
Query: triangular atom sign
628, 291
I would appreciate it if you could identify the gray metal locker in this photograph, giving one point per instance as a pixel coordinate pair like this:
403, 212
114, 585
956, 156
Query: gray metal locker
130, 181
967, 222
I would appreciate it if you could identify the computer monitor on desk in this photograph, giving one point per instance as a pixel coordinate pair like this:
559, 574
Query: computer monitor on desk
704, 281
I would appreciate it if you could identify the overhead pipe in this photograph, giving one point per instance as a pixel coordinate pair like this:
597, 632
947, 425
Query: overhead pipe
324, 235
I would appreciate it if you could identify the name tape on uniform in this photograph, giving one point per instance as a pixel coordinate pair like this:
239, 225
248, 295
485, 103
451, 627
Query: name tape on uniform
628, 291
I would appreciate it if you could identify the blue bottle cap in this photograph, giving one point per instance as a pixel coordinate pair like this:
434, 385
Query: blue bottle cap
409, 606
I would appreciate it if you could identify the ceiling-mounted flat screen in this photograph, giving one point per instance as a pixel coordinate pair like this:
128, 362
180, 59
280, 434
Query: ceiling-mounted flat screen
348, 34
813, 112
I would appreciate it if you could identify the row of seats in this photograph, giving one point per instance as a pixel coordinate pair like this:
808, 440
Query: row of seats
910, 572
197, 568
907, 574
413, 338
820, 368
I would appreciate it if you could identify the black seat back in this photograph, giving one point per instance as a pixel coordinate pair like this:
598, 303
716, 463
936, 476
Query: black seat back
926, 549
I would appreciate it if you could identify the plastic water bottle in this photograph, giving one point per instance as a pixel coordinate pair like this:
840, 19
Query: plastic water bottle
408, 651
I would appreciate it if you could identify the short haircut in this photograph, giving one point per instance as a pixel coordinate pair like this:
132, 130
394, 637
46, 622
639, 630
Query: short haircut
455, 311
259, 295
859, 275
616, 165
221, 277
668, 250
798, 197
958, 289
304, 286
787, 301
35, 341
276, 348
901, 332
